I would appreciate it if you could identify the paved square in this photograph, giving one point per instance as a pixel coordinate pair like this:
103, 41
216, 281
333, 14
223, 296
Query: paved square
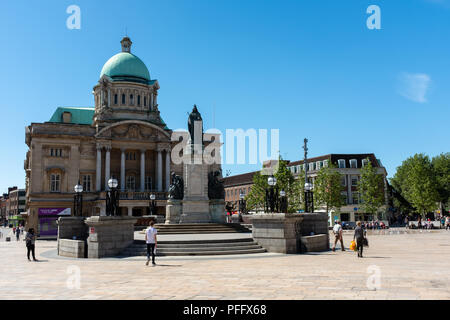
412, 266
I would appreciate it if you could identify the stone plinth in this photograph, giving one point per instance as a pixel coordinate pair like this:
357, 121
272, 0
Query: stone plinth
217, 210
282, 232
72, 248
108, 236
315, 243
173, 211
70, 227
195, 211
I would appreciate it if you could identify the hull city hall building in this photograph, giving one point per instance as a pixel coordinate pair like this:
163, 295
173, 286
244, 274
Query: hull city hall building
123, 137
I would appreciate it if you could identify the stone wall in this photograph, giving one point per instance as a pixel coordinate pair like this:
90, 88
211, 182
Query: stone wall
283, 232
315, 243
108, 236
72, 248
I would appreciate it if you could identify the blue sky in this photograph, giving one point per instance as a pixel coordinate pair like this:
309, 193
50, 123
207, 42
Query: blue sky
309, 68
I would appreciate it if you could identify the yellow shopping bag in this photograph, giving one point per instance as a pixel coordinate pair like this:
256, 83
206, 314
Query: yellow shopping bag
353, 245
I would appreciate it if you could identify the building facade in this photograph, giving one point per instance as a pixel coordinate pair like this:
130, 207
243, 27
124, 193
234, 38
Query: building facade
3, 204
348, 165
17, 204
123, 137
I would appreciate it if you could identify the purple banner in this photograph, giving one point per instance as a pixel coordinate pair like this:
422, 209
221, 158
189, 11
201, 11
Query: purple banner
54, 211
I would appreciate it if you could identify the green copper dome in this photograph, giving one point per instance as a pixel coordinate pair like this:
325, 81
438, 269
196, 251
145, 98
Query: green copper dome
127, 67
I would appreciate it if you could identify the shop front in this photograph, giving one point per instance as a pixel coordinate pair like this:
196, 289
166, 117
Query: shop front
47, 226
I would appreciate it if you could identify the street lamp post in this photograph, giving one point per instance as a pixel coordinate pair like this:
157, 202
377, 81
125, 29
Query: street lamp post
283, 201
112, 198
242, 208
152, 204
271, 195
78, 200
309, 203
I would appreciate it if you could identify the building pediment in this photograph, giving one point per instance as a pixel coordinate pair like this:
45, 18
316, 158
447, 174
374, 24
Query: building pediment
133, 130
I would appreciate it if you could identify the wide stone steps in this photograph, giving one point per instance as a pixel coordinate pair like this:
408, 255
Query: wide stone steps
199, 228
197, 248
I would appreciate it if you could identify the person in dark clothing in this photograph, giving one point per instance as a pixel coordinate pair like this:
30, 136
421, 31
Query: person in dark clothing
359, 236
30, 238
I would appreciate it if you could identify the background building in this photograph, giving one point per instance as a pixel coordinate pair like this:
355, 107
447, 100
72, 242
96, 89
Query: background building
348, 165
17, 204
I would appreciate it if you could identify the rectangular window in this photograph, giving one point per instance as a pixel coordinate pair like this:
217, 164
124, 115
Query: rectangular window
131, 183
354, 181
148, 183
343, 181
145, 101
341, 163
123, 98
355, 197
55, 180
325, 163
365, 162
87, 183
353, 163
115, 99
344, 198
139, 101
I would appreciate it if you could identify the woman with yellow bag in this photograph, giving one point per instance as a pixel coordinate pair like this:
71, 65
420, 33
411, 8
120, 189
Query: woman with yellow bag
359, 236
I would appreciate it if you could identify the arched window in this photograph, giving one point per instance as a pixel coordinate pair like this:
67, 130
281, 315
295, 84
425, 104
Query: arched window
123, 98
115, 99
131, 99
145, 101
131, 183
139, 101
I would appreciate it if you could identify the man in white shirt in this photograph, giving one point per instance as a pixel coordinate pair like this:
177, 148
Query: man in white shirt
150, 239
337, 230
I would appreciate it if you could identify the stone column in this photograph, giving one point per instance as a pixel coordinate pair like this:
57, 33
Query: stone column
122, 170
159, 188
107, 166
167, 170
142, 170
98, 172
150, 102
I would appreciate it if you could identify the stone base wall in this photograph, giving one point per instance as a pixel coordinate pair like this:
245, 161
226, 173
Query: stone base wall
283, 232
72, 248
70, 227
315, 243
217, 210
195, 211
173, 211
108, 236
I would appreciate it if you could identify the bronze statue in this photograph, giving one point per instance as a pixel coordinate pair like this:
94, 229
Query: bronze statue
176, 188
216, 189
194, 116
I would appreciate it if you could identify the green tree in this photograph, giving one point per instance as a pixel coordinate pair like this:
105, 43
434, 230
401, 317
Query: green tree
327, 189
285, 181
371, 188
441, 168
416, 181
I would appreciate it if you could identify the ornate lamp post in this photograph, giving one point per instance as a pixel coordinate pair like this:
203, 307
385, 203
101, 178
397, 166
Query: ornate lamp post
78, 200
112, 198
283, 201
241, 205
271, 194
152, 204
309, 198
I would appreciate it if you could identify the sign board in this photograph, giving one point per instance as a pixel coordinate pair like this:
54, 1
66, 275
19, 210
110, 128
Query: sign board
54, 211
355, 209
91, 230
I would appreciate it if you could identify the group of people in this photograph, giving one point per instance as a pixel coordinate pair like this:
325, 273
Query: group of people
359, 236
18, 231
374, 225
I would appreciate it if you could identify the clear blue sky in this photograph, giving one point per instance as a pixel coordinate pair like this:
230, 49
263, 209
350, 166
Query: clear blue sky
309, 68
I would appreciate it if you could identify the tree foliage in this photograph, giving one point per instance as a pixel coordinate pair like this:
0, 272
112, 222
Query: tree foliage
371, 188
285, 181
416, 180
441, 168
327, 189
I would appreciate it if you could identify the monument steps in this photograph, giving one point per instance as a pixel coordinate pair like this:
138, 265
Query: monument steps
197, 247
199, 228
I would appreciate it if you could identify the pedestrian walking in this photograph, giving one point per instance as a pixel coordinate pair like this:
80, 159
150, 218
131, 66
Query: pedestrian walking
18, 234
359, 236
447, 222
337, 230
150, 239
29, 240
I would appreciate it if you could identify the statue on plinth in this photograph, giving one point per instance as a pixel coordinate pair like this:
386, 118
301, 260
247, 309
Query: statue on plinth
195, 116
176, 188
216, 189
